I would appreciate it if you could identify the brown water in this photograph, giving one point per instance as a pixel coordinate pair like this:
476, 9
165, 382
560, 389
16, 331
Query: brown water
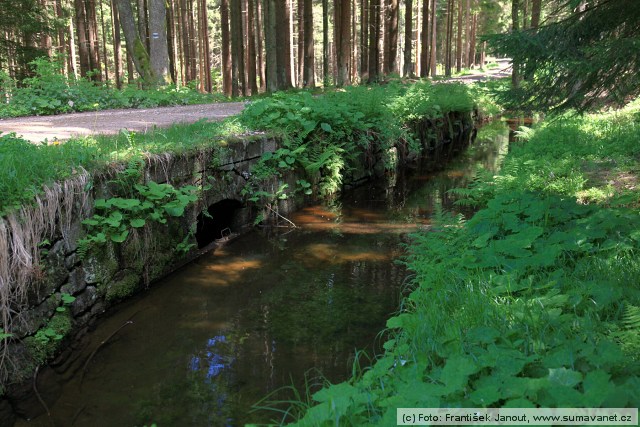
262, 313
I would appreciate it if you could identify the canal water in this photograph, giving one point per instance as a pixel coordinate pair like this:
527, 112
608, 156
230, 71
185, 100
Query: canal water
273, 311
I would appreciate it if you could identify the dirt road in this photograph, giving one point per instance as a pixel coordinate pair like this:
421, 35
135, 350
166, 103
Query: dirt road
40, 128
65, 126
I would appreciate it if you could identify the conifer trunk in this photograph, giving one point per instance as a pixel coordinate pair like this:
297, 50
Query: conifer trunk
408, 34
226, 49
309, 79
374, 40
424, 40
364, 40
251, 49
117, 46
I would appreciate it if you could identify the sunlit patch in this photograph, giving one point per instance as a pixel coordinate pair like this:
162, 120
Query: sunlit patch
353, 221
365, 215
335, 254
457, 173
218, 273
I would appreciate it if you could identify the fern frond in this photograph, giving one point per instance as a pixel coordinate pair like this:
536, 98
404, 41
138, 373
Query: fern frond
631, 318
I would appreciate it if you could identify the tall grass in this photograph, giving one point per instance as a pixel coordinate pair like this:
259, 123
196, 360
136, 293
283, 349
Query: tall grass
29, 167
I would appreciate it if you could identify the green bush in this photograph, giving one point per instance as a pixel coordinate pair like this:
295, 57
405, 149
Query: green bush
50, 92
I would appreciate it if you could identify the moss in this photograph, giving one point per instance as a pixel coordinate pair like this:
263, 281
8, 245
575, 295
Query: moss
120, 289
47, 339
144, 61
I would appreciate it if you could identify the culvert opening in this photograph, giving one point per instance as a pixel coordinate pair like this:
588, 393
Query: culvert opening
223, 218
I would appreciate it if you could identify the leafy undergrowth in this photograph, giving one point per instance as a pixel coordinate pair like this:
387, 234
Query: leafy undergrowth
533, 302
327, 135
28, 167
50, 92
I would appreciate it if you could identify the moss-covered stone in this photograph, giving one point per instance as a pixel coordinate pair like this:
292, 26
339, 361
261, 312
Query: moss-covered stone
100, 266
123, 287
48, 339
54, 274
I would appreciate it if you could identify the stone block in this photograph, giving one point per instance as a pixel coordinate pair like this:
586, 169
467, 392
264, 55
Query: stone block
76, 282
31, 320
55, 274
84, 301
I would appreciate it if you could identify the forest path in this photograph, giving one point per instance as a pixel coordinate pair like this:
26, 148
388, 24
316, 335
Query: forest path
38, 129
64, 126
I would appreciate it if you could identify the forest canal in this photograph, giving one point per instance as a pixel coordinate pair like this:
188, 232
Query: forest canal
215, 337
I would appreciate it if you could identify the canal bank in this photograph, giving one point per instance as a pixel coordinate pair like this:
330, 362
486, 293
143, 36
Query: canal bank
242, 321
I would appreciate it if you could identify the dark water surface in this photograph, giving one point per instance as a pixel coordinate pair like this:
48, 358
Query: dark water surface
212, 339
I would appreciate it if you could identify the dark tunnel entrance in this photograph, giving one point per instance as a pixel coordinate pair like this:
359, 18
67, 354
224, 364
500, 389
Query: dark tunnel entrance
223, 218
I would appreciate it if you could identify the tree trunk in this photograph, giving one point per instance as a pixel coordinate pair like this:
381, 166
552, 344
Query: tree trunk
130, 68
364, 40
204, 46
46, 42
226, 51
325, 42
515, 74
270, 45
424, 40
300, 44
418, 48
94, 46
186, 44
83, 41
193, 49
259, 44
391, 38
159, 51
472, 42
408, 34
449, 39
433, 58
117, 46
467, 31
237, 50
459, 39
343, 41
290, 44
309, 79
61, 41
251, 49
536, 7
104, 45
374, 40
143, 26
71, 51
172, 41
355, 42
283, 39
135, 47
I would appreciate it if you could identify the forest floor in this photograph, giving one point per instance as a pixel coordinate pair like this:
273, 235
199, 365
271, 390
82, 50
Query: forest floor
49, 129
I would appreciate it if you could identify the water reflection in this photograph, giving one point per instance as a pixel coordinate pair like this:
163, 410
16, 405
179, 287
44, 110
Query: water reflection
259, 314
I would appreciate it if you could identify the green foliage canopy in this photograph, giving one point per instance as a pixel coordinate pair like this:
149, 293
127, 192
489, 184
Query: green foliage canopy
589, 58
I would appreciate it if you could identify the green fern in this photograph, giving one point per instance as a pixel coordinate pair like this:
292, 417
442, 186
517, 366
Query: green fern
631, 318
629, 335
